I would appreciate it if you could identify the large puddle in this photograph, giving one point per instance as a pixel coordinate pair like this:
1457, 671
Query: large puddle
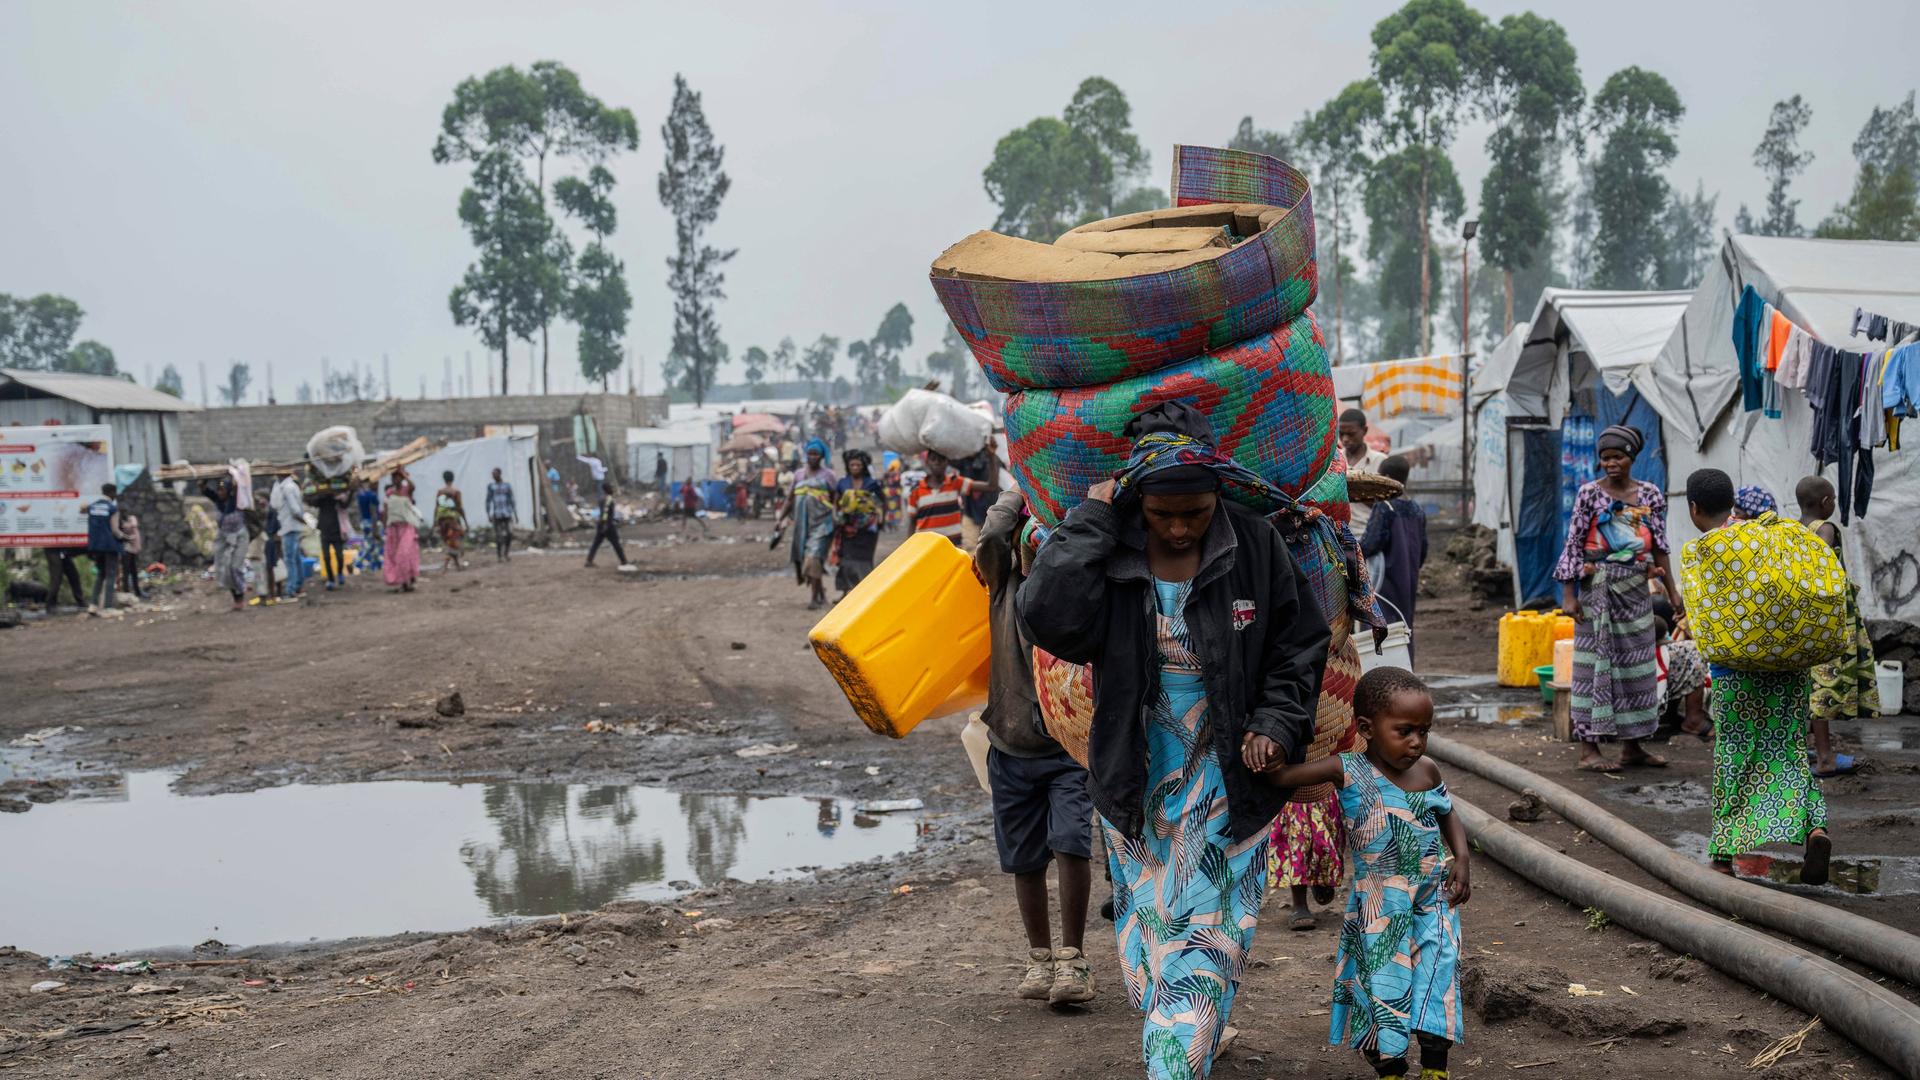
1858, 875
142, 867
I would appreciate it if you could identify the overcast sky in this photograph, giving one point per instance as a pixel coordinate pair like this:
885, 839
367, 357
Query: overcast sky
220, 181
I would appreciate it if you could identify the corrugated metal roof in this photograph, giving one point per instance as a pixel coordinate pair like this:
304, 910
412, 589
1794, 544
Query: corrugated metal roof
97, 392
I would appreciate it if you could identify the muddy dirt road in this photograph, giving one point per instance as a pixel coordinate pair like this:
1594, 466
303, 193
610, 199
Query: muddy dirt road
891, 968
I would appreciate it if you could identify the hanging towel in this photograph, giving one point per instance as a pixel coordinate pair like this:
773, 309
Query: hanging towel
1793, 362
1746, 324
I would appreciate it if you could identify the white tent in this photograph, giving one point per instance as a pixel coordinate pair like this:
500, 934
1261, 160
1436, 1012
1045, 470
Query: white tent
472, 462
688, 447
1584, 353
1695, 387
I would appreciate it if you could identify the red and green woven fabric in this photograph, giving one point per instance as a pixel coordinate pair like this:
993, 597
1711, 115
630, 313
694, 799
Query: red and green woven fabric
1270, 400
1083, 333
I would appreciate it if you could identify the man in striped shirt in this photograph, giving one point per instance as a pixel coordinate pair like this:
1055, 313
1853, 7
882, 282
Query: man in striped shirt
934, 505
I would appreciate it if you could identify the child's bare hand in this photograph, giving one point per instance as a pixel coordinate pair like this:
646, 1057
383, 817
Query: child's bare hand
1459, 883
1260, 753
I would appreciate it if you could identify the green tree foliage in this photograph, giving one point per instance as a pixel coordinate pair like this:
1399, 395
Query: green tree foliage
1686, 227
170, 382
89, 358
36, 334
1532, 94
1053, 174
816, 364
1397, 207
1779, 156
953, 363
1885, 203
1275, 144
234, 390
534, 115
1426, 58
877, 359
757, 360
499, 296
1634, 115
599, 300
785, 358
1338, 138
693, 182
302, 394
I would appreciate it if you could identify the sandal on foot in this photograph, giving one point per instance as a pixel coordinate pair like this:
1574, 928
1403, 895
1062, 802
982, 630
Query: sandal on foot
1819, 852
1645, 761
1843, 765
1302, 920
1601, 765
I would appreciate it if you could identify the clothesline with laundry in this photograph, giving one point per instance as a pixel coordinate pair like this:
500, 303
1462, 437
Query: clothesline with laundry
1858, 397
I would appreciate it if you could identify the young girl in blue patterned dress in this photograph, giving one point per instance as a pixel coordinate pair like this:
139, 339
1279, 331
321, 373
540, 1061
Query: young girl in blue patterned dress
1397, 979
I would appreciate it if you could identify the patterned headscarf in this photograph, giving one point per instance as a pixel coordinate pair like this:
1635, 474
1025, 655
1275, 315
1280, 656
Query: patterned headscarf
819, 446
1752, 501
1165, 450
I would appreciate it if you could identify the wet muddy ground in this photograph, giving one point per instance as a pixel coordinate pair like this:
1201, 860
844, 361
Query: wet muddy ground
696, 681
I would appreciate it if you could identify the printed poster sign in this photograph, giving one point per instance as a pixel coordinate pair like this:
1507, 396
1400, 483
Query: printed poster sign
48, 475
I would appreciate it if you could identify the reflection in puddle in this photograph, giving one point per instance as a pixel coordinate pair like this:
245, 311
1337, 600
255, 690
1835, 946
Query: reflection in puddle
142, 867
1670, 795
1490, 713
1886, 734
1859, 876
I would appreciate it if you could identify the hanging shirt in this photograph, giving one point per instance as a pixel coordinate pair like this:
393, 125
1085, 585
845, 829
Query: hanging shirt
1793, 361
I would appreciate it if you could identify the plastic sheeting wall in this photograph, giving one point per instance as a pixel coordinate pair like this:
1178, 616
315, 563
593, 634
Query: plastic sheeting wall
472, 463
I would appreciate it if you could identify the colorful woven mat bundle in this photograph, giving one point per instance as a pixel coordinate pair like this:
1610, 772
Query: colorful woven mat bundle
1228, 333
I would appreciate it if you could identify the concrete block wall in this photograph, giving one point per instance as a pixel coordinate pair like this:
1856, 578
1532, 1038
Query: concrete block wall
280, 432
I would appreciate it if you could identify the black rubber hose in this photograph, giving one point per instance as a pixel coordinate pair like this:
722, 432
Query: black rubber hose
1875, 1018
1879, 946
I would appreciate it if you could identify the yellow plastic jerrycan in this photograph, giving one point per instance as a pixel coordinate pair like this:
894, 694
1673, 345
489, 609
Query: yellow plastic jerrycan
1521, 634
911, 641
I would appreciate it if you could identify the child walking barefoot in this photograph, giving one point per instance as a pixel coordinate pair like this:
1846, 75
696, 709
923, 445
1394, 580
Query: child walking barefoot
1397, 976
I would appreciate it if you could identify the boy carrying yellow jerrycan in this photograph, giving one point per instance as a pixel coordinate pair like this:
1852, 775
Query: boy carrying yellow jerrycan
910, 641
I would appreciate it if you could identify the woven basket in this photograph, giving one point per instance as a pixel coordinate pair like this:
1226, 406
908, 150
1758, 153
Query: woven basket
1066, 701
1334, 731
1029, 334
1270, 399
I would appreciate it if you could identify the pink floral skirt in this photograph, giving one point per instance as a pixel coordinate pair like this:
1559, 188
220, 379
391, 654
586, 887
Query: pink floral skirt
1307, 841
402, 564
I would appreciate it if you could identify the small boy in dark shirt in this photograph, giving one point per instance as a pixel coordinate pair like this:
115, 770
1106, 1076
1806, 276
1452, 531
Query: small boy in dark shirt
1397, 530
1041, 809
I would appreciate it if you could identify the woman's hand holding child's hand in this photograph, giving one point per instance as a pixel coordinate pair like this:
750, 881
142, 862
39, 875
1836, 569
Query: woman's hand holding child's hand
1260, 753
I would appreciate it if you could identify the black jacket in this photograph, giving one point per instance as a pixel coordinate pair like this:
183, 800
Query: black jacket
1254, 624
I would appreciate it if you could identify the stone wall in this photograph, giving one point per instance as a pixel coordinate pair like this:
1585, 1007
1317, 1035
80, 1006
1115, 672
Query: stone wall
280, 432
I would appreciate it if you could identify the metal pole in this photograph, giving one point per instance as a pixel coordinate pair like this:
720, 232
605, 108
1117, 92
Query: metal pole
466, 390
1466, 320
386, 376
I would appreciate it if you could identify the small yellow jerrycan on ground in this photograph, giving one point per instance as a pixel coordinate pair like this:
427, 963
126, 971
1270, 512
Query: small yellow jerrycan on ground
911, 641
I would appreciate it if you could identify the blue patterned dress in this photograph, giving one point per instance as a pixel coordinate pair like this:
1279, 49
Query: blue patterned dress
1399, 966
1186, 897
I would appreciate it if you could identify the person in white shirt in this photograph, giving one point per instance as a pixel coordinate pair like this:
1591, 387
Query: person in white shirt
288, 503
1361, 458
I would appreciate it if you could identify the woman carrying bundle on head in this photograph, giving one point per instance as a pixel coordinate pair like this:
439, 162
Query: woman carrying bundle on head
1210, 649
1617, 537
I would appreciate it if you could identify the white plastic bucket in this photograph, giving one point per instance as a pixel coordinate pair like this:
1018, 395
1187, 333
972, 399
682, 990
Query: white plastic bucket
1889, 678
1396, 650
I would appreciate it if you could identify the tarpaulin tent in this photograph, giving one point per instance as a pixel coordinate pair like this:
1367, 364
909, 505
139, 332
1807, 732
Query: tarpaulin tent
1414, 404
688, 447
1695, 386
1548, 388
472, 462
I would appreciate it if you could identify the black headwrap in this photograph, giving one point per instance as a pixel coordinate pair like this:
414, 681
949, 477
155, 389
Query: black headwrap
1622, 438
1174, 418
